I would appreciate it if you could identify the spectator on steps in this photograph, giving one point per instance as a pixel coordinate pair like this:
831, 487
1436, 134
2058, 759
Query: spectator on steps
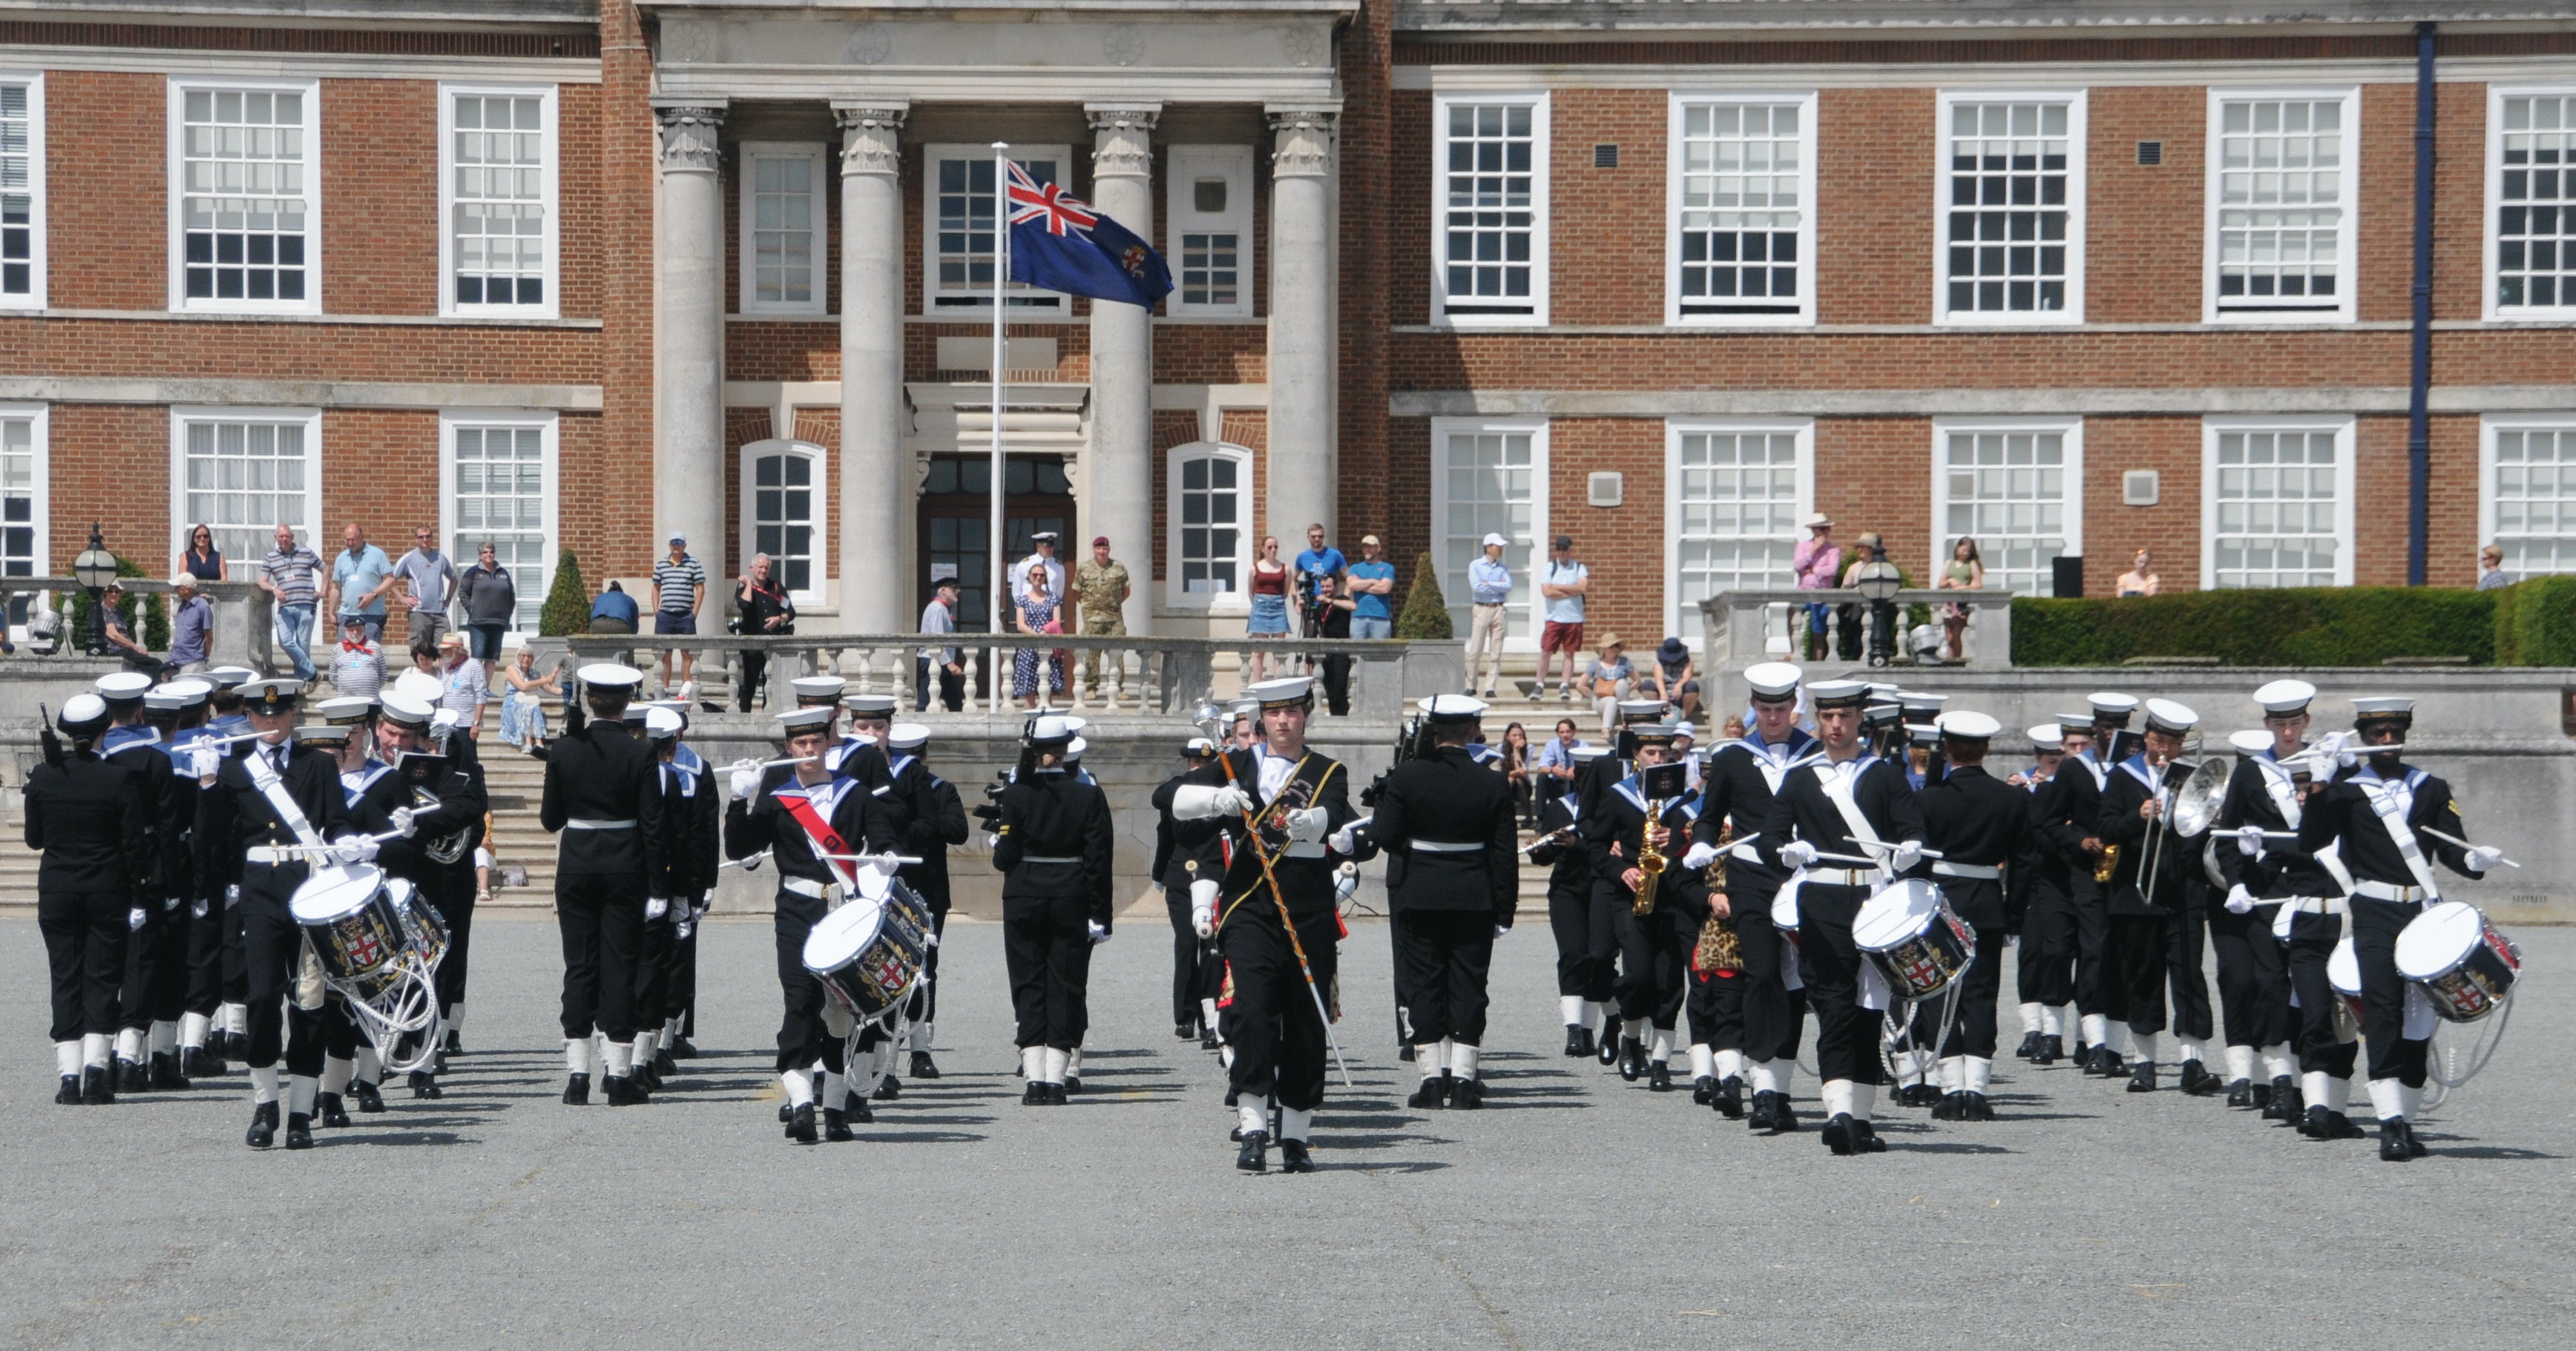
614, 611
1673, 679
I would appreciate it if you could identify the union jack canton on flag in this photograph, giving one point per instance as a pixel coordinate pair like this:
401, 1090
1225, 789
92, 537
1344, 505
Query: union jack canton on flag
1062, 243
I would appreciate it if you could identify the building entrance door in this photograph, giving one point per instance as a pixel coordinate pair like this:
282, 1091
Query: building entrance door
956, 525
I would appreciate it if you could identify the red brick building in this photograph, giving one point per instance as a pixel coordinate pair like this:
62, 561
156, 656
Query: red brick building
2073, 277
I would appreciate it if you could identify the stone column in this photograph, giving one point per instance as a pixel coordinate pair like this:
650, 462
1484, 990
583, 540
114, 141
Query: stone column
1118, 478
876, 474
688, 363
1300, 459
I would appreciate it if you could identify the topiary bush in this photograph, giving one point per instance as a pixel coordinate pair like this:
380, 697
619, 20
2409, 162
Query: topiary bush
567, 608
2290, 626
1426, 611
2535, 622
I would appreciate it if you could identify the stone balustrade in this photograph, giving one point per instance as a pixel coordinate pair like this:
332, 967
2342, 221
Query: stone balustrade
1739, 628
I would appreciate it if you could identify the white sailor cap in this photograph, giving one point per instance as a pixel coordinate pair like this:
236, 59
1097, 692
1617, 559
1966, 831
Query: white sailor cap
271, 694
345, 710
420, 685
1243, 708
82, 714
1453, 708
1773, 681
1654, 733
2075, 724
634, 715
1916, 701
405, 709
178, 694
2048, 736
815, 689
1585, 752
1882, 690
2285, 697
2164, 715
661, 723
1641, 710
2250, 742
1683, 731
324, 733
679, 708
1073, 749
2112, 708
1198, 747
1837, 693
1292, 690
124, 687
907, 736
870, 705
2372, 707
1966, 724
610, 674
1048, 729
226, 677
799, 721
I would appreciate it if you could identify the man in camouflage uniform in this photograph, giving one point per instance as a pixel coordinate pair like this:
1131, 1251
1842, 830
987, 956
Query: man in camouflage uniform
1100, 586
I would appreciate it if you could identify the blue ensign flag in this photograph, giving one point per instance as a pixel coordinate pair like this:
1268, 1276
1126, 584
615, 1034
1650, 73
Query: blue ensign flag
1062, 243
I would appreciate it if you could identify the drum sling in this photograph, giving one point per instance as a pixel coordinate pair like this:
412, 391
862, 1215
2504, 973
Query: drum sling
825, 841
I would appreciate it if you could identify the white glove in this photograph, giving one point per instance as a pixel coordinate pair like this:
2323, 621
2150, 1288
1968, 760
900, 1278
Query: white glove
2249, 840
992, 842
1501, 929
406, 823
1194, 802
349, 849
1309, 824
1099, 935
681, 929
1700, 855
885, 864
169, 905
746, 782
198, 909
232, 895
134, 919
2239, 900
1203, 908
2484, 858
1906, 856
1797, 853
203, 761
656, 907
1347, 839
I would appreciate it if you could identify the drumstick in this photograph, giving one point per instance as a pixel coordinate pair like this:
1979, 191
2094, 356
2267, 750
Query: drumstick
870, 858
2464, 844
1892, 848
746, 863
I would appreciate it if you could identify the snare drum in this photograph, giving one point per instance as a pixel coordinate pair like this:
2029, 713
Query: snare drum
356, 930
2465, 966
2343, 972
425, 928
1910, 934
868, 957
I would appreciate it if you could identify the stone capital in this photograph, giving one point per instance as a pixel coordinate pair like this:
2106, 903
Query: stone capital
1123, 138
689, 136
871, 137
1302, 144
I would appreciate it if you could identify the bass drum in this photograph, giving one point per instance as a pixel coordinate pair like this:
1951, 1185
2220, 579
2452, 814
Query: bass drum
868, 955
2464, 965
1914, 939
355, 929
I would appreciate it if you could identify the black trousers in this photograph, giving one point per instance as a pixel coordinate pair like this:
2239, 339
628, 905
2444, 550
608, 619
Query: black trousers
206, 956
236, 962
2045, 973
755, 664
1278, 1037
1972, 1032
1569, 918
2156, 953
86, 935
271, 946
1445, 956
1185, 956
602, 919
801, 1038
2375, 926
156, 965
682, 998
1846, 1033
1772, 1019
952, 685
923, 1007
653, 973
455, 905
2311, 944
1649, 987
2093, 978
1337, 685
1046, 945
2253, 980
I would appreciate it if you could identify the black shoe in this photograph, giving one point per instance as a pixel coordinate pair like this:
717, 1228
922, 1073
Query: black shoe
682, 1050
1918, 1094
1608, 1051
1208, 1041
1729, 1099
2240, 1093
1432, 1095
424, 1087
97, 1087
800, 1123
2392, 1141
1404, 1051
263, 1126
2030, 1044
2414, 1148
922, 1068
1578, 1040
1838, 1133
166, 1077
2112, 1066
836, 1126
623, 1091
455, 1044
786, 1112
2261, 1095
1035, 1095
577, 1091
438, 1062
1951, 1107
197, 1062
131, 1077
2288, 1106
1659, 1077
2197, 1080
1465, 1095
1632, 1059
859, 1113
1231, 1096
1864, 1139
646, 1077
663, 1064
2084, 1055
1703, 1091
1055, 1095
2142, 1077
333, 1110
1072, 1083
1293, 1157
889, 1088
299, 1131
1786, 1121
365, 1095
2051, 1050
2341, 1127
1766, 1113
1183, 1031
1974, 1107
1254, 1156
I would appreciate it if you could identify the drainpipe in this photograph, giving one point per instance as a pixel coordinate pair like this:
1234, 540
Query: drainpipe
2419, 435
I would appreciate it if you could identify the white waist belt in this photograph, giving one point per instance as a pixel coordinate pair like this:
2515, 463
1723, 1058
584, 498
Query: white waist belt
805, 886
277, 855
2313, 905
580, 823
1843, 877
1046, 858
2390, 891
1986, 871
1446, 847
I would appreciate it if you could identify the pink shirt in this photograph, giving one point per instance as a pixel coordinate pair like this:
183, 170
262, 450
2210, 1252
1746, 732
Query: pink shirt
1818, 563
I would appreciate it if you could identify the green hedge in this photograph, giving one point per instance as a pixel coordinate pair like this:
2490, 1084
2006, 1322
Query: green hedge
2535, 623
2300, 626
154, 610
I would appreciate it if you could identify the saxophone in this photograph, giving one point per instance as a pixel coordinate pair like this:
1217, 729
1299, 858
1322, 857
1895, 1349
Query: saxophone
1650, 860
1718, 949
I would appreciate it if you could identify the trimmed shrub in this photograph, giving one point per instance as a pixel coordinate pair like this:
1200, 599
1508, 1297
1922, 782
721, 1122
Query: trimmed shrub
154, 610
2535, 622
2295, 626
1426, 611
567, 608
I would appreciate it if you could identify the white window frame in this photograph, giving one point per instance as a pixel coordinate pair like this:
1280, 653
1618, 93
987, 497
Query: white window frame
748, 525
1541, 528
747, 300
547, 422
977, 302
1681, 103
39, 442
35, 84
2489, 223
2077, 201
2071, 432
2488, 428
1541, 156
553, 190
311, 91
182, 418
1239, 600
2348, 233
1686, 622
1185, 165
2345, 479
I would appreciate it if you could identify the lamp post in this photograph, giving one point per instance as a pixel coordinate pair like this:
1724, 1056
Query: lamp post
1878, 583
94, 570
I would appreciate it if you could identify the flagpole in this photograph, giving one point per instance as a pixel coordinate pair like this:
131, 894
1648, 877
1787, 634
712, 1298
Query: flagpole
999, 585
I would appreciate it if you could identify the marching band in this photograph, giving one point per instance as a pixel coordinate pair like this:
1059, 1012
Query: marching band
229, 874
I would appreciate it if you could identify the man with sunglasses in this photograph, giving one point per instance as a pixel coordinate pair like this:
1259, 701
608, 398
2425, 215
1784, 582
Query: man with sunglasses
428, 580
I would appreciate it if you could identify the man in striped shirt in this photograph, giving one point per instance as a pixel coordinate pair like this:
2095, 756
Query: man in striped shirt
292, 575
679, 590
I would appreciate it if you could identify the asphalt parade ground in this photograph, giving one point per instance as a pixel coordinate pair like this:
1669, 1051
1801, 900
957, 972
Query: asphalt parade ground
1575, 1211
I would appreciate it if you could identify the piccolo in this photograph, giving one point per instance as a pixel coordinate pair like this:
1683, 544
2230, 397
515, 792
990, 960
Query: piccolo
2447, 838
771, 764
1557, 836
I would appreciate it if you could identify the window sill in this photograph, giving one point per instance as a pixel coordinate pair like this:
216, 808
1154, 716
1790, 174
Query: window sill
261, 317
